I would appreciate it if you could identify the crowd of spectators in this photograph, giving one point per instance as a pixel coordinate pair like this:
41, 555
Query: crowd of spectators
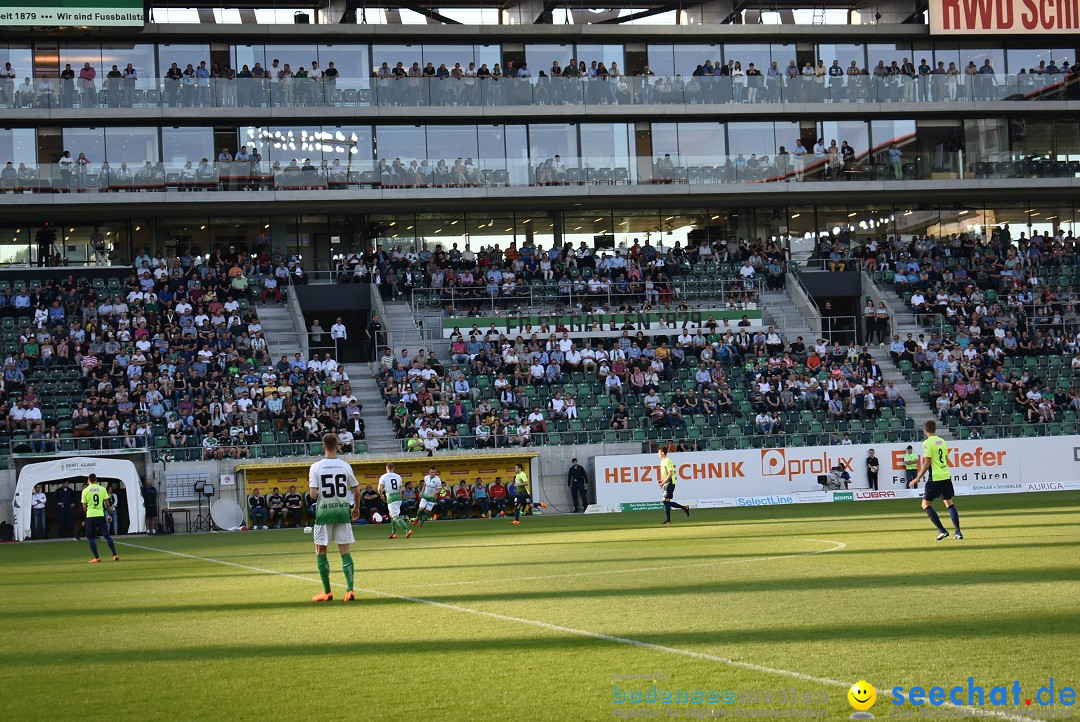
402, 83
592, 280
596, 82
1000, 313
174, 357
497, 390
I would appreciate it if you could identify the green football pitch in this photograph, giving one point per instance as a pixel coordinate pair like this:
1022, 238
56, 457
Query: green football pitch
550, 620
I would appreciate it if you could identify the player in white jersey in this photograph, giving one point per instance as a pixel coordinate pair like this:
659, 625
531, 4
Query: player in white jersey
432, 484
332, 487
390, 486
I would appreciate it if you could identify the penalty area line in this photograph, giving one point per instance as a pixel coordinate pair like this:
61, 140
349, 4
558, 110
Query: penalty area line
610, 638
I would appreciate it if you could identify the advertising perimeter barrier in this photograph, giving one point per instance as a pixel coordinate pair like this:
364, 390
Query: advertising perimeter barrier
760, 477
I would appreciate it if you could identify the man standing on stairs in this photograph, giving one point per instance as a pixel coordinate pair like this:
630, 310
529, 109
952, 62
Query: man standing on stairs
373, 330
338, 334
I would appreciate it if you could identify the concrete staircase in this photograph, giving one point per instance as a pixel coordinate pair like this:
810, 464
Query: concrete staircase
282, 337
378, 430
402, 332
903, 323
781, 313
400, 322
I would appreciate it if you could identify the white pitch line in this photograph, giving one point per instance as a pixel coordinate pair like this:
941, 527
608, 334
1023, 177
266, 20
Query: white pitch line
837, 546
727, 661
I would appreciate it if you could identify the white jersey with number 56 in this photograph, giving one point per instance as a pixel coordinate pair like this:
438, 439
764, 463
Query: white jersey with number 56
334, 481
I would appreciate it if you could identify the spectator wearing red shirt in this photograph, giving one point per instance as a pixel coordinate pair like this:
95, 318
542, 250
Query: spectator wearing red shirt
463, 500
498, 494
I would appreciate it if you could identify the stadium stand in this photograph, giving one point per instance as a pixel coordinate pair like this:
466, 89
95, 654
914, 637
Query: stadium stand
172, 359
998, 354
710, 383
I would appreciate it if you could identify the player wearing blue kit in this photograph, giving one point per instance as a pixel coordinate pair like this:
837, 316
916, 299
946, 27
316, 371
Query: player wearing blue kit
935, 462
332, 486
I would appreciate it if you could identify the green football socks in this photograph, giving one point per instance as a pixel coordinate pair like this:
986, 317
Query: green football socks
324, 571
347, 566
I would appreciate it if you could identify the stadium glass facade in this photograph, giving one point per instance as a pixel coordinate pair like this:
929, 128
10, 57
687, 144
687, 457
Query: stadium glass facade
309, 139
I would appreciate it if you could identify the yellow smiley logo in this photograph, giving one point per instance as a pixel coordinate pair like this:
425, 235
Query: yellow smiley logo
862, 695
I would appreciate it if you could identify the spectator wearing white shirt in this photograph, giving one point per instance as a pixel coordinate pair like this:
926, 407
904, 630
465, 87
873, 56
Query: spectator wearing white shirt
37, 514
339, 335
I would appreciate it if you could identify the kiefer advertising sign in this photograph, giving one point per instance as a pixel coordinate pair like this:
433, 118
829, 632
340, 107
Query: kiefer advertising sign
790, 475
1004, 17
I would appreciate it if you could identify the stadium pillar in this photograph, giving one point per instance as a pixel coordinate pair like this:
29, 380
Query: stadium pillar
710, 13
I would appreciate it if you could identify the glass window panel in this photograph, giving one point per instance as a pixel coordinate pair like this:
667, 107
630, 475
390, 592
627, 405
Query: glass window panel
844, 53
662, 59
1068, 139
760, 55
140, 55
947, 53
21, 59
77, 55
606, 54
397, 53
688, 58
448, 142
131, 145
883, 133
356, 136
548, 140
296, 55
702, 140
665, 139
447, 55
517, 153
90, 141
979, 56
182, 55
18, 145
540, 57
605, 145
855, 132
491, 147
763, 138
397, 141
887, 53
351, 62
183, 144
487, 55
986, 140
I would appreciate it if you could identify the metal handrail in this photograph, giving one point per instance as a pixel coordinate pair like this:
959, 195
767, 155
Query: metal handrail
546, 294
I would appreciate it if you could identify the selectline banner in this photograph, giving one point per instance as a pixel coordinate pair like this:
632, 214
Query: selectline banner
781, 474
824, 497
72, 13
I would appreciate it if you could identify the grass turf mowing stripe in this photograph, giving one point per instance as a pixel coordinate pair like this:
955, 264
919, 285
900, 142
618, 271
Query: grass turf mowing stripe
837, 546
727, 661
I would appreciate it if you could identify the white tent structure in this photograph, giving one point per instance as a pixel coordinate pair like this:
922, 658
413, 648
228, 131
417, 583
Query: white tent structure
76, 466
